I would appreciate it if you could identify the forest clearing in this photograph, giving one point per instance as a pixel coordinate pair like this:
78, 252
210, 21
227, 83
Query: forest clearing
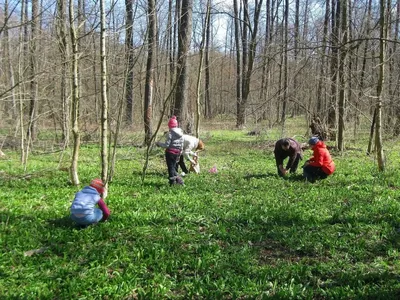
242, 232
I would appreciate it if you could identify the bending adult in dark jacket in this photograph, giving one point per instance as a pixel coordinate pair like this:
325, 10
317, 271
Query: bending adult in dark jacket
320, 165
284, 148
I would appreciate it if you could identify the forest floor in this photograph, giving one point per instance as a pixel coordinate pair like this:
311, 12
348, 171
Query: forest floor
240, 233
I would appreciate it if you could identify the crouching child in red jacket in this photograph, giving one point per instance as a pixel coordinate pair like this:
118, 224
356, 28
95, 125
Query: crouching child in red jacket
83, 209
320, 165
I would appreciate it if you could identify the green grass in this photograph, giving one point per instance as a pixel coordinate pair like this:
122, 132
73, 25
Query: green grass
241, 233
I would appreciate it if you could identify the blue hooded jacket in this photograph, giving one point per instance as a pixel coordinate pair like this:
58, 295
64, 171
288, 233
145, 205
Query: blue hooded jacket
85, 201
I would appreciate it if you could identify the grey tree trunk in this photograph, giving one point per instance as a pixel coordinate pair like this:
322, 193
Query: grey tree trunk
285, 67
334, 66
104, 99
75, 97
184, 38
7, 51
31, 133
151, 53
64, 53
379, 89
207, 87
342, 75
129, 61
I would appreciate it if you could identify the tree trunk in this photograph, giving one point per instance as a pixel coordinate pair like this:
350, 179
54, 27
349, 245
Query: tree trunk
151, 53
321, 98
207, 88
379, 89
285, 67
239, 107
21, 55
334, 66
31, 134
342, 75
129, 49
7, 51
184, 38
104, 100
75, 97
64, 53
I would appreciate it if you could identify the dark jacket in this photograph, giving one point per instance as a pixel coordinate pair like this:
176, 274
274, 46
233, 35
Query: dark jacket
292, 152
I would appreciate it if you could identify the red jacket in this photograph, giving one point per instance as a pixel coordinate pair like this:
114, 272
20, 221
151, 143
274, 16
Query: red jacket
322, 158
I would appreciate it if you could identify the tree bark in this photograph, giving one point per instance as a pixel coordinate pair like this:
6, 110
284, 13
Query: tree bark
75, 97
104, 99
184, 38
151, 53
129, 60
379, 89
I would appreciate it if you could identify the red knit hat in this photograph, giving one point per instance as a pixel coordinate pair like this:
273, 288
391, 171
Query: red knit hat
98, 184
172, 123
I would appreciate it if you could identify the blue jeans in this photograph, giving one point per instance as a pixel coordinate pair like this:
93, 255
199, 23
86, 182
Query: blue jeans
95, 217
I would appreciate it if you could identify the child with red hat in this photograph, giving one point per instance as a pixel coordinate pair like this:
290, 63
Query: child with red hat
83, 209
173, 149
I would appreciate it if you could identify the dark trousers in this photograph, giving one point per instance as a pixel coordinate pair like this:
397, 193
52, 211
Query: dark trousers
181, 164
172, 160
312, 173
294, 163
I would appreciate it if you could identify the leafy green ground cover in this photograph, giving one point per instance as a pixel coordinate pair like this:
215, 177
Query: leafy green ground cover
241, 233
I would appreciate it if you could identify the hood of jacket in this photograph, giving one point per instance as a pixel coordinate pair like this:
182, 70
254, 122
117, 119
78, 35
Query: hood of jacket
176, 132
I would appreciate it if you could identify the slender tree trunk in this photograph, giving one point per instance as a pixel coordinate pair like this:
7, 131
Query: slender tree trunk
207, 88
285, 66
7, 51
64, 53
396, 129
364, 63
238, 63
21, 55
321, 98
151, 53
334, 65
129, 60
379, 89
75, 96
342, 75
104, 102
31, 134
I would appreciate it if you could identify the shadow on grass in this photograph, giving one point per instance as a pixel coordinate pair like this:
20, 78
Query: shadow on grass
261, 176
64, 222
291, 177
